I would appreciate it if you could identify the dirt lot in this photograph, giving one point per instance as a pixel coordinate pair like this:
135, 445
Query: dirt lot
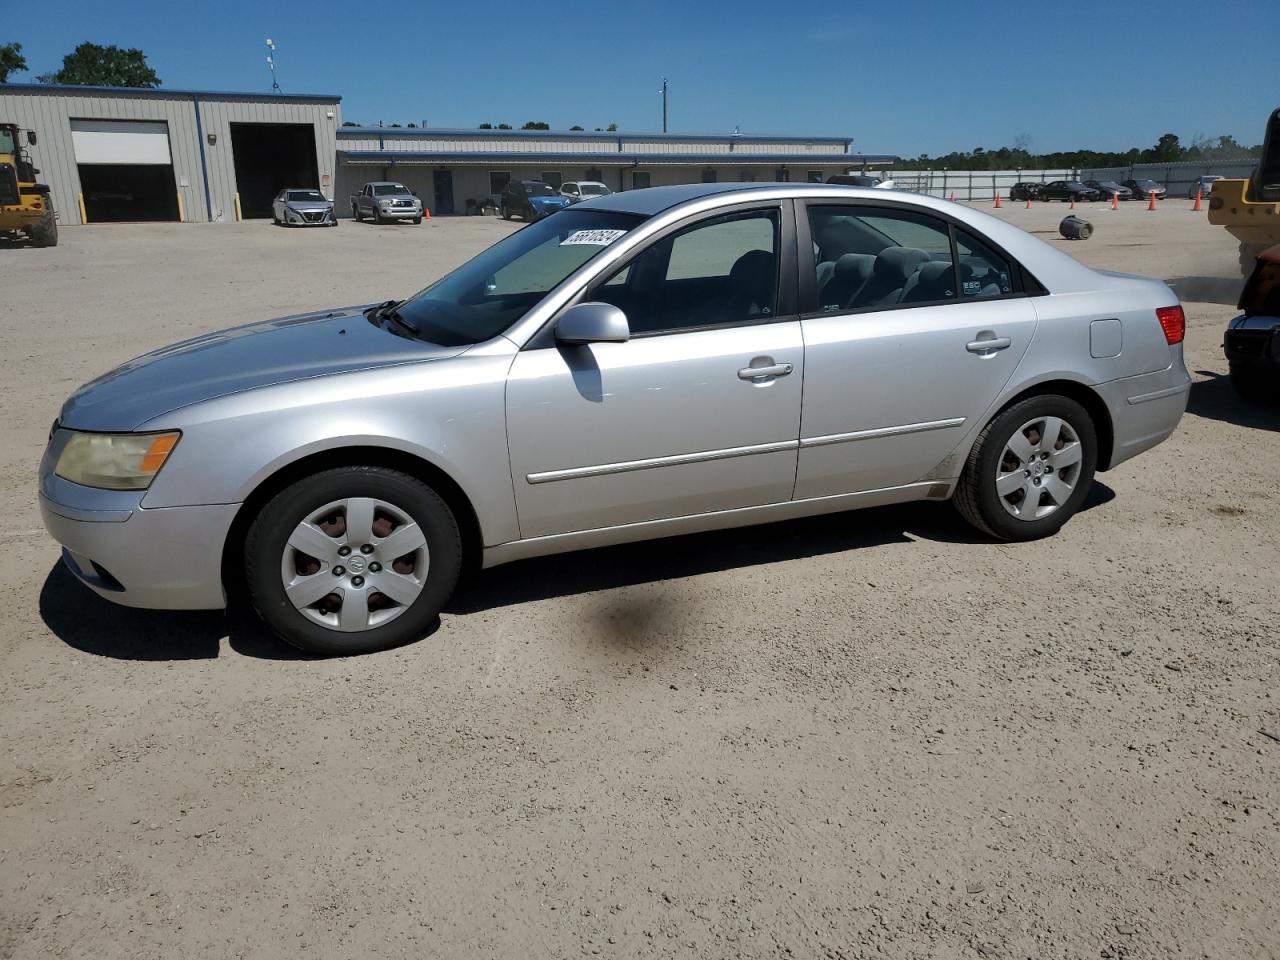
873, 734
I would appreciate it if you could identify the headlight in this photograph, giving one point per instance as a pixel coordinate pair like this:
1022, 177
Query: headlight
115, 461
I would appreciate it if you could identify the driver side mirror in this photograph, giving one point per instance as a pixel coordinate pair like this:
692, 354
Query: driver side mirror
592, 323
31, 138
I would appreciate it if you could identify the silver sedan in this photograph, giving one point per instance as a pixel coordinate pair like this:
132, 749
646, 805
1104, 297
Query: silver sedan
300, 208
650, 363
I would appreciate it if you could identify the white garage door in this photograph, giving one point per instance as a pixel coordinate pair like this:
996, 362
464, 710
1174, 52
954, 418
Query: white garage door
121, 141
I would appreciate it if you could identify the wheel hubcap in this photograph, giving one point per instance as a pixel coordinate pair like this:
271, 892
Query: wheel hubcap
354, 564
1039, 468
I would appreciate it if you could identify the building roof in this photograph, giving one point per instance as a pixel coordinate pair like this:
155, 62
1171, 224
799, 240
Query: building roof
73, 89
461, 133
610, 159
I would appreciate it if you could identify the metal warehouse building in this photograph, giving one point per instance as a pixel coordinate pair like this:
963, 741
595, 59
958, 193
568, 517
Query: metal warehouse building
115, 154
128, 154
454, 170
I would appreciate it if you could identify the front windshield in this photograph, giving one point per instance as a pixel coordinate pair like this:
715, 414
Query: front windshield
490, 292
595, 189
537, 188
387, 189
1147, 183
6, 141
304, 195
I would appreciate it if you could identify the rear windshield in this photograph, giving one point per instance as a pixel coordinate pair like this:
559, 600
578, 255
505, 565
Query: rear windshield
595, 189
537, 188
490, 292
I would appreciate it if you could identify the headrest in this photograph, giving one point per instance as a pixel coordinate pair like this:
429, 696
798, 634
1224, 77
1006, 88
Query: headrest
855, 266
898, 263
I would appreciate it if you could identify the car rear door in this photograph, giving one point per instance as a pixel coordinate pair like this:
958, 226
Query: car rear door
699, 411
903, 350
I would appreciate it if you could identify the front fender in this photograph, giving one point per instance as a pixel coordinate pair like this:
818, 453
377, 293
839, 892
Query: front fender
448, 413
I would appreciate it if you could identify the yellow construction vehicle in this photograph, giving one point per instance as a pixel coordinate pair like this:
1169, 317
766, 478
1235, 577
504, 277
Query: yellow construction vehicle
1250, 209
25, 206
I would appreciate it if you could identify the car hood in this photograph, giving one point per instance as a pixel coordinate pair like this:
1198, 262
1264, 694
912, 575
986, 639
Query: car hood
242, 358
394, 196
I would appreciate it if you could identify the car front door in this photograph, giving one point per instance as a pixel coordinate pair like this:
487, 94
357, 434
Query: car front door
698, 411
903, 350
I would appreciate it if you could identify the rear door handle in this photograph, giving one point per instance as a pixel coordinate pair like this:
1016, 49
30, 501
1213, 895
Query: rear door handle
988, 346
760, 373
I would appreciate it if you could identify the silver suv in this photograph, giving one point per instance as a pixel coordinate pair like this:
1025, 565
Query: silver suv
649, 363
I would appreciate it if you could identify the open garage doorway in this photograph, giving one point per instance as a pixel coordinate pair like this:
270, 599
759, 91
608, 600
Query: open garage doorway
126, 170
268, 158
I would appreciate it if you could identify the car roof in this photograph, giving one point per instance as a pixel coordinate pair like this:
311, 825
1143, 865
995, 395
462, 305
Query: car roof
653, 200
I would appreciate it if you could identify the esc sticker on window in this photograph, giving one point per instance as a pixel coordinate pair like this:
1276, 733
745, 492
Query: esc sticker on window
594, 238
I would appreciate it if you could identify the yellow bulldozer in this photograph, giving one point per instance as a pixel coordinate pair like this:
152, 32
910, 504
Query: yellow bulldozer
1250, 209
25, 206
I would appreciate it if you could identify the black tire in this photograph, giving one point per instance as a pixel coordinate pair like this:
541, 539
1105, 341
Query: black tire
976, 497
1252, 385
506, 214
270, 531
44, 233
417, 220
378, 217
356, 215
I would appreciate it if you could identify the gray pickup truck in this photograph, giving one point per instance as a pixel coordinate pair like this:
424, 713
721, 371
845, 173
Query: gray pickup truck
384, 200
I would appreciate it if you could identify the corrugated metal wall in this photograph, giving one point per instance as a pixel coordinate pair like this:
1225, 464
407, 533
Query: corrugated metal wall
49, 114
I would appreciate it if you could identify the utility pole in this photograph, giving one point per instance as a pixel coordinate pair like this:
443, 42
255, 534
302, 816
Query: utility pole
664, 104
271, 64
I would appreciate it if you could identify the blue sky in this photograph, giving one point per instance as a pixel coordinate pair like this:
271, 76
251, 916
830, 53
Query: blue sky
902, 77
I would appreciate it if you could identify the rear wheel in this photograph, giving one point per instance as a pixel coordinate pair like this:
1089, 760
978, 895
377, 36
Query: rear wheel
506, 214
1030, 469
356, 215
352, 560
44, 233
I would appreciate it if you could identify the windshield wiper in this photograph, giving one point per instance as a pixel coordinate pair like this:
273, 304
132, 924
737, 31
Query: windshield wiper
387, 310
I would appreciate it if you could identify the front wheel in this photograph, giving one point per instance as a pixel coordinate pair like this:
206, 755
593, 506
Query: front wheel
1030, 469
44, 233
352, 560
417, 220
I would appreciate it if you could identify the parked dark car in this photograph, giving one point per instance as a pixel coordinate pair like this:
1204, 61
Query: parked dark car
1252, 341
1068, 190
1142, 189
530, 200
1109, 188
1025, 191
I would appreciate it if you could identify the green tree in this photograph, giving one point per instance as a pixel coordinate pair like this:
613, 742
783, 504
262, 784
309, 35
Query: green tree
612, 127
485, 126
575, 127
536, 125
11, 60
92, 65
504, 126
1166, 150
350, 123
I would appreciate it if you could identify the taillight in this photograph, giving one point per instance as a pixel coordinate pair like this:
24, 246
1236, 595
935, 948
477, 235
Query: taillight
1174, 322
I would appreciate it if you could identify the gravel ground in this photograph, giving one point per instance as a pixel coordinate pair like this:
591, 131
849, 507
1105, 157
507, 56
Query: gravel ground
862, 735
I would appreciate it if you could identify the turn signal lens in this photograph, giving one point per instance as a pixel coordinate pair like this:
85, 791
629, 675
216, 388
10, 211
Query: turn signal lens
1174, 322
115, 461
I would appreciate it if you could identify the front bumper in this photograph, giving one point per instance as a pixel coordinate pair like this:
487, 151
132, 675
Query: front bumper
168, 558
399, 213
309, 218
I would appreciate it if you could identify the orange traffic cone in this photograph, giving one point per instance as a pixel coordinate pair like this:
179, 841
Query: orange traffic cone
1151, 204
426, 214
1115, 201
1196, 208
952, 198
997, 199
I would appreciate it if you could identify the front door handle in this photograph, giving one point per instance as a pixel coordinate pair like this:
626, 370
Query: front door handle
989, 345
760, 373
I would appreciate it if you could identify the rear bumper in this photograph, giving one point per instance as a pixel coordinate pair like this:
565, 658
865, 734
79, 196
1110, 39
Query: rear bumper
168, 558
1145, 409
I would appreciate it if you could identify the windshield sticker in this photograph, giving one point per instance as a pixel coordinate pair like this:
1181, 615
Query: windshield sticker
595, 238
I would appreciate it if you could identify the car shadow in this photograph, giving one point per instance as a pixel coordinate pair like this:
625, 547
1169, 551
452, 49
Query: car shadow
651, 561
1216, 399
1207, 289
86, 622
